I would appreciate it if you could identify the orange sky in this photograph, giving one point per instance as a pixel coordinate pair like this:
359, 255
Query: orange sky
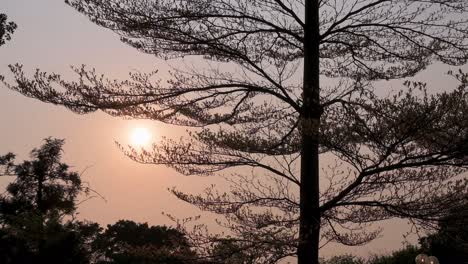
52, 36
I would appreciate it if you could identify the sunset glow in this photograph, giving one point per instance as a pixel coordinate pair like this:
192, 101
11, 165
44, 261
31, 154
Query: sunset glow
140, 137
234, 131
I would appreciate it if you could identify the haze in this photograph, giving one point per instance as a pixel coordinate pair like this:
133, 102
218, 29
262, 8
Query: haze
52, 36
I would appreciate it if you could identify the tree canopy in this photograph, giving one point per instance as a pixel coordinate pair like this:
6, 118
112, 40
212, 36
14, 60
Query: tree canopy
33, 208
137, 243
6, 29
250, 108
37, 222
43, 185
450, 243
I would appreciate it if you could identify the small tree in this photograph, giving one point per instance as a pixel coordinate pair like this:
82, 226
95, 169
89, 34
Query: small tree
390, 153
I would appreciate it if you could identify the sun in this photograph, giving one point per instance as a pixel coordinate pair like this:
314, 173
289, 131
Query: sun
140, 137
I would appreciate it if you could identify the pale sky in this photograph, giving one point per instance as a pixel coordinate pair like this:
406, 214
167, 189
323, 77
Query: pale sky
52, 36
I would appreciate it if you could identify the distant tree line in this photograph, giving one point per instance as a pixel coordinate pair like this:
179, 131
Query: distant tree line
38, 225
38, 222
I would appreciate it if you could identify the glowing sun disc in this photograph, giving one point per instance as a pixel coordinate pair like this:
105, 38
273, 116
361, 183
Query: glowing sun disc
140, 137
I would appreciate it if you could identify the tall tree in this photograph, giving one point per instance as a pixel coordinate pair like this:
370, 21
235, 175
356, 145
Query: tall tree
34, 205
43, 186
390, 152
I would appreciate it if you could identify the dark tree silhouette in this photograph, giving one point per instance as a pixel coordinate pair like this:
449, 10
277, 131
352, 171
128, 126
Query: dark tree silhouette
450, 243
254, 110
34, 205
403, 256
406, 255
6, 29
230, 252
129, 242
43, 186
344, 259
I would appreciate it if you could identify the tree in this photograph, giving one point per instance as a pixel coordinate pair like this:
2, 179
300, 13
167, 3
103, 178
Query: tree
6, 29
343, 259
34, 205
390, 152
43, 186
450, 243
130, 242
402, 256
230, 252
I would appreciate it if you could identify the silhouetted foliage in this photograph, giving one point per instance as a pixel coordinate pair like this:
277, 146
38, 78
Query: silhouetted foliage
402, 256
254, 111
343, 259
450, 243
33, 228
231, 252
33, 207
14, 249
68, 243
43, 186
127, 242
6, 29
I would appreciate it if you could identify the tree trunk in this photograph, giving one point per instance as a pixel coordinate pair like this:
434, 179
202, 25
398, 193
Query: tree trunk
309, 230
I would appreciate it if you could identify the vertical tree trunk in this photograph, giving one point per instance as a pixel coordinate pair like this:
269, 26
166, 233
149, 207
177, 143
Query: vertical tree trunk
309, 230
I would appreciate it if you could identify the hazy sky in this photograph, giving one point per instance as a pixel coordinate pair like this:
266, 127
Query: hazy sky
52, 36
